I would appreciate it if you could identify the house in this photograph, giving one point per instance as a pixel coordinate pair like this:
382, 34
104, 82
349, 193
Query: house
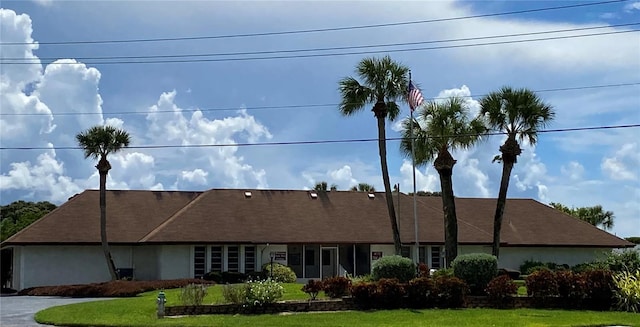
175, 234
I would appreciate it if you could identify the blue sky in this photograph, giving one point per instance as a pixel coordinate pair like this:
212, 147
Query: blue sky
574, 168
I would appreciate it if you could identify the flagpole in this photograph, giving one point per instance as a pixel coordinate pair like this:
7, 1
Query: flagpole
415, 207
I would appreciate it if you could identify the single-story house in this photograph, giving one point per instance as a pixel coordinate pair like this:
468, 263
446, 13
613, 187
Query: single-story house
176, 234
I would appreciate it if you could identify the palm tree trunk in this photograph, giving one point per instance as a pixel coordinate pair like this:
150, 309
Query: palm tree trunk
444, 165
103, 218
382, 147
507, 166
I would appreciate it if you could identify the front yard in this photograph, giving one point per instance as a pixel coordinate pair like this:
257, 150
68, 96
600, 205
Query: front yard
141, 311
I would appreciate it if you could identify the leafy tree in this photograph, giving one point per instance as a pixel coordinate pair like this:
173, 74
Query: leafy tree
438, 128
426, 193
595, 215
383, 83
98, 142
323, 186
519, 113
19, 214
363, 187
633, 239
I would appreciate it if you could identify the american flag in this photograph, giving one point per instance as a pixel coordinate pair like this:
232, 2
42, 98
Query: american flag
415, 96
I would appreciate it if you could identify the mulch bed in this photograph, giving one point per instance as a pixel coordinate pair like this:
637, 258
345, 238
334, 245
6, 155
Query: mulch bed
118, 288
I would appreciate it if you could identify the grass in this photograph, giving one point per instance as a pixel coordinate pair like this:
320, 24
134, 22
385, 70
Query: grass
140, 311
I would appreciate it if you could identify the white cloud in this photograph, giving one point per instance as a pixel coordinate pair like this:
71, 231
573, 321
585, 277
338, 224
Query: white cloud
426, 180
221, 160
45, 3
573, 170
196, 176
342, 176
43, 179
624, 164
630, 7
462, 92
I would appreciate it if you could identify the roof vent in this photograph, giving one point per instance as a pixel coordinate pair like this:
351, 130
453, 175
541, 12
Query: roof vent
247, 194
313, 195
371, 195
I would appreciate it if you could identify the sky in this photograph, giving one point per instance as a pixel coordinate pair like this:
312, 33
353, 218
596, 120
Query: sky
52, 89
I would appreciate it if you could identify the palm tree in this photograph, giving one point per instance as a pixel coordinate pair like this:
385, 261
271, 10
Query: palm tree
98, 142
519, 113
363, 187
323, 186
438, 128
383, 82
595, 215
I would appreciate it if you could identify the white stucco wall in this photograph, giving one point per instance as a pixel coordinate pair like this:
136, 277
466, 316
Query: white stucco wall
60, 265
514, 257
175, 261
386, 249
145, 262
264, 254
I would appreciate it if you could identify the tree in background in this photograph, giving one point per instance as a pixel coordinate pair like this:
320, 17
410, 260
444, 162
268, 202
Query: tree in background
363, 187
383, 82
17, 215
441, 126
323, 186
98, 142
519, 113
595, 215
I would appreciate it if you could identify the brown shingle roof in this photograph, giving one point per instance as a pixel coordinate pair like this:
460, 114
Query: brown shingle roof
283, 216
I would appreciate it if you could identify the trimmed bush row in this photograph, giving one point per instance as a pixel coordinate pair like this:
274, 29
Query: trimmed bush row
118, 288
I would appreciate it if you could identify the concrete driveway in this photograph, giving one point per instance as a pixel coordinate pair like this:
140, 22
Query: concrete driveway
19, 310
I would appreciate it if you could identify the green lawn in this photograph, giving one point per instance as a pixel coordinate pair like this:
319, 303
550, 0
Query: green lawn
140, 311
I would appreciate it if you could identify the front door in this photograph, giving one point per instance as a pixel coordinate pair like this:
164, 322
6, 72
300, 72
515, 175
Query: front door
329, 262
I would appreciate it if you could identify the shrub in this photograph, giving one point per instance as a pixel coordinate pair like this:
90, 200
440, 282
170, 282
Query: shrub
394, 266
476, 269
226, 277
236, 294
390, 293
628, 260
192, 294
513, 274
627, 291
451, 292
312, 288
365, 294
528, 264
571, 288
500, 290
447, 272
360, 279
281, 273
600, 289
420, 293
263, 292
116, 288
582, 267
423, 270
336, 287
542, 284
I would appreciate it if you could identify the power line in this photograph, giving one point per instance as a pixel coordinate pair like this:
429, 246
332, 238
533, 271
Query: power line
334, 54
294, 106
317, 141
317, 30
246, 53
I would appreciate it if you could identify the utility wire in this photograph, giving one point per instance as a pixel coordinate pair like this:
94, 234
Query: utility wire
317, 30
293, 106
319, 141
332, 54
247, 53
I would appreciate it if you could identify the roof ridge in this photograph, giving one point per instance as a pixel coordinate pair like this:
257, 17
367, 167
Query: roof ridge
172, 217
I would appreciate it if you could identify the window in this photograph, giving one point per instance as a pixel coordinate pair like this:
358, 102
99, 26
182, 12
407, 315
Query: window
216, 258
326, 257
310, 257
406, 252
249, 259
436, 257
199, 255
233, 258
422, 255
